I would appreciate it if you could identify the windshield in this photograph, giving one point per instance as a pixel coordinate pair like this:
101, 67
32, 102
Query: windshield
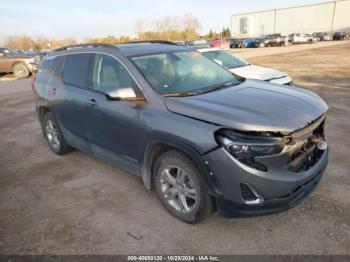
182, 72
226, 59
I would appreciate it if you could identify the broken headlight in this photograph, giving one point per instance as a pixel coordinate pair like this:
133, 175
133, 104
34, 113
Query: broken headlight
247, 148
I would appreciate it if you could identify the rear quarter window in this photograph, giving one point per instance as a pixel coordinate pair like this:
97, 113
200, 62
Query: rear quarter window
76, 69
51, 63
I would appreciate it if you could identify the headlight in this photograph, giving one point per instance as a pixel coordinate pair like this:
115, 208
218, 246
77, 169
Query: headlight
247, 149
37, 59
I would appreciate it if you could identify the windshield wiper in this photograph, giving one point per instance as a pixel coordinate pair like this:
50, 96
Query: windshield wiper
181, 94
220, 86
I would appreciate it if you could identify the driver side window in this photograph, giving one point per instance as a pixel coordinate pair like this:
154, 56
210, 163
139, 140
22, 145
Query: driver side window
109, 74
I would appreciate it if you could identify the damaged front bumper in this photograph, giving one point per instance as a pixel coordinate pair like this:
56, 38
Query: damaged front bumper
279, 189
289, 177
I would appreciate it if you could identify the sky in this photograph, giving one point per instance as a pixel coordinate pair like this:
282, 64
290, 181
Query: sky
97, 18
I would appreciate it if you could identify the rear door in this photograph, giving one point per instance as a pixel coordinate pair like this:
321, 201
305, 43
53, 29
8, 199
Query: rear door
68, 96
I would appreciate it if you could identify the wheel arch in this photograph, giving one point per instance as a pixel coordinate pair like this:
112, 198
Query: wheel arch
157, 147
42, 109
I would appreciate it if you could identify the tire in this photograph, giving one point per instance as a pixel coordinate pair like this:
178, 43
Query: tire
20, 70
54, 136
262, 45
185, 196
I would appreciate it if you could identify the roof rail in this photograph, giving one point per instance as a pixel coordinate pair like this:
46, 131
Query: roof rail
151, 41
86, 45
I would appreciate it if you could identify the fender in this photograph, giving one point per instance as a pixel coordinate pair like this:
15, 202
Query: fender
183, 146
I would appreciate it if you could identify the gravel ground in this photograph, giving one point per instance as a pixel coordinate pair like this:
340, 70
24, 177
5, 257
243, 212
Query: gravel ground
77, 204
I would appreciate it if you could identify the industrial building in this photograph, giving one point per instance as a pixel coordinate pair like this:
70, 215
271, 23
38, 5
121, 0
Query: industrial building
322, 17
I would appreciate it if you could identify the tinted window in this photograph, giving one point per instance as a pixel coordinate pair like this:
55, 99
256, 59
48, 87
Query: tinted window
109, 74
76, 69
50, 63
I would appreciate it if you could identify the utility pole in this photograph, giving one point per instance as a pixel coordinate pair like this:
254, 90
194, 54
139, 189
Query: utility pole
334, 8
274, 22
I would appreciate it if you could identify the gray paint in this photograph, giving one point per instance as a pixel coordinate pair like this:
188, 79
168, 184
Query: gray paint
125, 132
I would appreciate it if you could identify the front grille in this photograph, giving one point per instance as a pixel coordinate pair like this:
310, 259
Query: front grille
307, 154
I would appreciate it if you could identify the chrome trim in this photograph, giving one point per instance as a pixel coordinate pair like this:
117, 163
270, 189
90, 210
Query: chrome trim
259, 199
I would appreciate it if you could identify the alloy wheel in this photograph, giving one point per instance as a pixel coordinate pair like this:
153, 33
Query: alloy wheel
52, 134
178, 189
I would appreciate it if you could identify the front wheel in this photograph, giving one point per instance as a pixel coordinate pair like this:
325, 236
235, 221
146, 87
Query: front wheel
180, 188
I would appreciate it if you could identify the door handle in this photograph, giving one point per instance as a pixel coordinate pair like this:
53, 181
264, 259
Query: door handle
54, 90
92, 101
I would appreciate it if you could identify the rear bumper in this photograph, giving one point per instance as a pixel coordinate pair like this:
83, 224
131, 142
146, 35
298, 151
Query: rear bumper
280, 189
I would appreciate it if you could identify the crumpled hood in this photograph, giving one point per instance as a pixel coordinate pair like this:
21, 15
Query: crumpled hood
257, 72
253, 106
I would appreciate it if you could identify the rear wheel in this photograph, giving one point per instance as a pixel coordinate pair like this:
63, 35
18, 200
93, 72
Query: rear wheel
20, 70
54, 136
180, 188
262, 45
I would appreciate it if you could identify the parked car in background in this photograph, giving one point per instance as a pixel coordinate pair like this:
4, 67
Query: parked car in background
301, 39
241, 68
243, 43
20, 64
312, 39
322, 36
199, 43
339, 36
249, 43
220, 43
237, 43
272, 40
200, 136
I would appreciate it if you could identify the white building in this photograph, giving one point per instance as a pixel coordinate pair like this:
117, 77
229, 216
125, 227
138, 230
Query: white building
322, 17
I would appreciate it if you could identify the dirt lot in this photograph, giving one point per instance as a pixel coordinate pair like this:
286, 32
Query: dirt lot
77, 204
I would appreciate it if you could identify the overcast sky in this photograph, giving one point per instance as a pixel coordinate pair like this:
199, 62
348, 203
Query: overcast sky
87, 18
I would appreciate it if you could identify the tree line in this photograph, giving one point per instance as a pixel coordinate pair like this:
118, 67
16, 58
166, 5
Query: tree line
169, 28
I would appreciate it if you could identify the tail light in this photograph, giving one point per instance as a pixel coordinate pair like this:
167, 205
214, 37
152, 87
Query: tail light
33, 82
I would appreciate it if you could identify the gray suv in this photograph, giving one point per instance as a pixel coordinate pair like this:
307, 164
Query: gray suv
201, 137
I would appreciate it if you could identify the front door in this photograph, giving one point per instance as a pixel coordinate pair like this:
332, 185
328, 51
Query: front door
114, 127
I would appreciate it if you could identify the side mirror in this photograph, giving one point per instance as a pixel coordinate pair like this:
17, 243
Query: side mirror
123, 94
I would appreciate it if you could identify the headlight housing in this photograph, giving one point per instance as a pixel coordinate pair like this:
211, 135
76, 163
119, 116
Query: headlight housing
248, 148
